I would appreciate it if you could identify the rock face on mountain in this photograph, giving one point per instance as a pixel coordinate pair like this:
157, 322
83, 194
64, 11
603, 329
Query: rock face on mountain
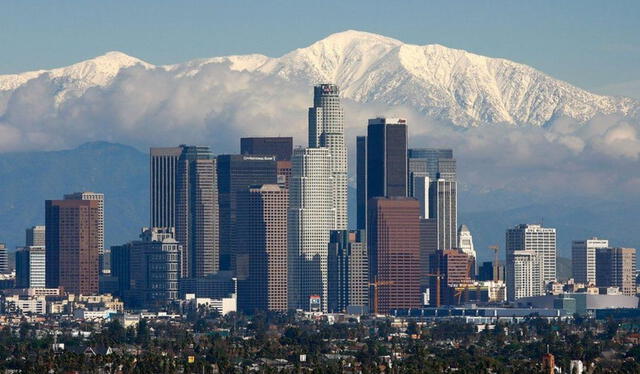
443, 83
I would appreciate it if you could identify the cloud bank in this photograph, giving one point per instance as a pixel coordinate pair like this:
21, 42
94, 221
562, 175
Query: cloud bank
216, 106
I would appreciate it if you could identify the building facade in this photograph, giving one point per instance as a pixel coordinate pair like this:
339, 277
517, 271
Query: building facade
393, 238
542, 241
30, 267
72, 241
34, 236
311, 217
197, 224
326, 129
348, 271
164, 168
523, 275
262, 220
583, 259
236, 173
616, 267
280, 147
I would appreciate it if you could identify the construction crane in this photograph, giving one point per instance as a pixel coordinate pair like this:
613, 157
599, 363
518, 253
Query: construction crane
376, 283
438, 277
466, 285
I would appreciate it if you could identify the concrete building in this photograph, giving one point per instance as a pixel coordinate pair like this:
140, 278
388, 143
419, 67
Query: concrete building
100, 199
4, 259
348, 269
523, 275
616, 267
311, 217
197, 224
30, 267
394, 252
542, 241
236, 173
465, 241
583, 259
164, 169
262, 220
326, 130
72, 242
155, 266
280, 147
34, 236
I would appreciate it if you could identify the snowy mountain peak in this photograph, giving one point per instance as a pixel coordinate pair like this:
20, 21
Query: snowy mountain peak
440, 82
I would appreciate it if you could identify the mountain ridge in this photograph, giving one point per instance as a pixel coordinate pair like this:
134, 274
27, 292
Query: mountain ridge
454, 85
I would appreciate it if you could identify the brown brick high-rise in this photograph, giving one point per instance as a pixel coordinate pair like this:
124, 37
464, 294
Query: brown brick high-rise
72, 245
394, 252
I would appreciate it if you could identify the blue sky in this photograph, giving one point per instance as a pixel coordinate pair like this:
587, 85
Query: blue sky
593, 44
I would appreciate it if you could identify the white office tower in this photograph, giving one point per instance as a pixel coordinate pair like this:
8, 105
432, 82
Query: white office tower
311, 218
523, 276
100, 198
420, 191
540, 240
583, 259
326, 129
30, 267
465, 241
443, 207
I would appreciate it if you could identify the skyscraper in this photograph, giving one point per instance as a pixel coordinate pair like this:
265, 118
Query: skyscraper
616, 267
583, 259
326, 129
262, 220
393, 239
443, 208
34, 236
155, 267
361, 182
100, 199
453, 267
235, 174
523, 275
72, 241
348, 271
311, 217
542, 240
539, 240
197, 211
281, 147
4, 259
465, 244
164, 167
30, 267
427, 161
387, 157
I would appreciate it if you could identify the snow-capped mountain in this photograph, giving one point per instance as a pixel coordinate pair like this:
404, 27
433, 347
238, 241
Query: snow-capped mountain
443, 83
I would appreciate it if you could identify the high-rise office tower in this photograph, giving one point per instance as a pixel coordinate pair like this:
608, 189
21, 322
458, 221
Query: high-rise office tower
361, 182
30, 267
262, 220
100, 199
452, 266
348, 271
616, 267
393, 239
428, 249
523, 275
443, 208
583, 259
72, 241
541, 240
154, 267
121, 268
427, 161
235, 174
34, 236
311, 218
281, 147
4, 259
164, 168
326, 129
197, 211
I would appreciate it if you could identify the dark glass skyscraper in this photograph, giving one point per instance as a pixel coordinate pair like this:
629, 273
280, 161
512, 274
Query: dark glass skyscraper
163, 167
236, 173
348, 271
281, 147
197, 211
361, 182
